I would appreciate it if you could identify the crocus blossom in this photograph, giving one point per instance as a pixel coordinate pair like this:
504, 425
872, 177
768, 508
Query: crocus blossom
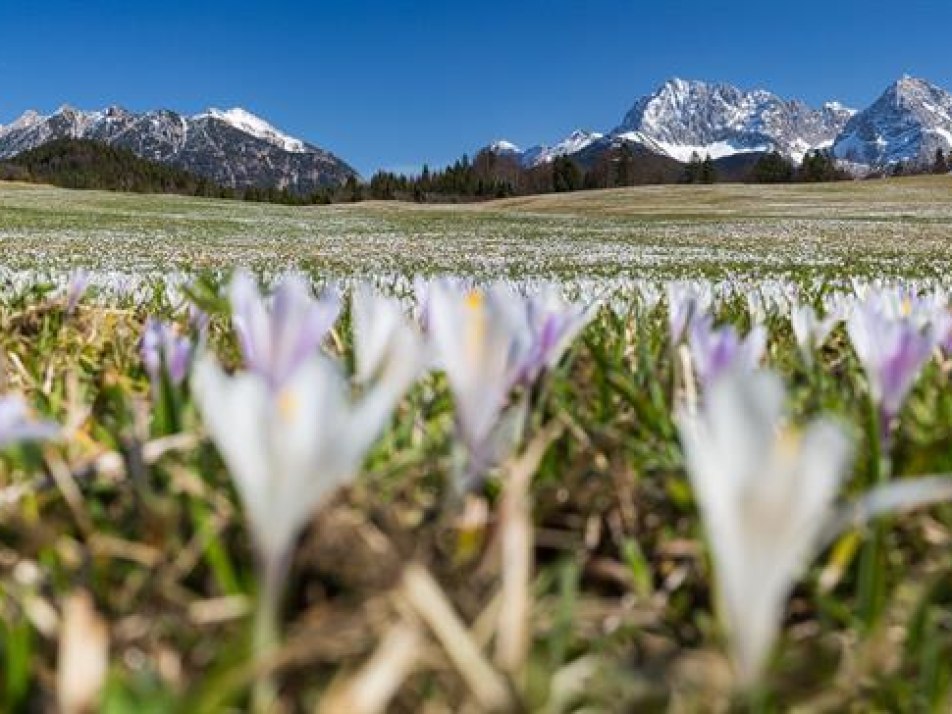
75, 288
809, 330
162, 347
288, 450
553, 325
382, 332
686, 302
892, 349
488, 342
479, 342
16, 424
765, 492
717, 350
279, 336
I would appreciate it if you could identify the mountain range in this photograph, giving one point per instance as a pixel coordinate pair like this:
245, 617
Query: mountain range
682, 118
908, 123
233, 148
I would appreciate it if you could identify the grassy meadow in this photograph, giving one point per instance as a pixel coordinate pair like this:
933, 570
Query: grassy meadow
895, 227
128, 578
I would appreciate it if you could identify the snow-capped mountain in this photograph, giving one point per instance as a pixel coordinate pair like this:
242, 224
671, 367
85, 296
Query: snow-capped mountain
683, 117
233, 148
909, 122
577, 141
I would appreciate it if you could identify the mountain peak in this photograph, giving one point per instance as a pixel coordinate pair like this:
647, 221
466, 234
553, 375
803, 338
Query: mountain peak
683, 117
231, 147
909, 122
249, 123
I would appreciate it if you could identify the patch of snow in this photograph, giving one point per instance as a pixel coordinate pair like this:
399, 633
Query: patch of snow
716, 150
504, 147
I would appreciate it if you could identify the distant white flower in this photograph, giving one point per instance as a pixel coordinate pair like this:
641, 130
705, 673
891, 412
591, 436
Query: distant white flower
382, 332
718, 350
686, 303
809, 330
76, 287
162, 348
553, 325
765, 493
756, 307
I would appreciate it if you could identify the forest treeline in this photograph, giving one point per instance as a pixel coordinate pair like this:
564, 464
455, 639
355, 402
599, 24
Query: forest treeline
84, 164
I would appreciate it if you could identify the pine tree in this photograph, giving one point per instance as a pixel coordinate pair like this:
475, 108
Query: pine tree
772, 168
708, 171
941, 164
692, 172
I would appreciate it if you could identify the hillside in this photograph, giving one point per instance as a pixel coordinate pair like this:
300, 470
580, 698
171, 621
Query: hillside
84, 164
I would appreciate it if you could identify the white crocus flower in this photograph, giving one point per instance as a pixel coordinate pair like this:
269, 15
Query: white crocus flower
765, 492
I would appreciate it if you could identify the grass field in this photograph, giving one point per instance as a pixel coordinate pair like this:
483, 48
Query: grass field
894, 227
725, 492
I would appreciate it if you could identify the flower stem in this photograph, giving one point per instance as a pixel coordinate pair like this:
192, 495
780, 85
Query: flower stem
871, 578
267, 633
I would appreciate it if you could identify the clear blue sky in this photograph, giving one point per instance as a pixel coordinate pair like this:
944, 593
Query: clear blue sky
396, 84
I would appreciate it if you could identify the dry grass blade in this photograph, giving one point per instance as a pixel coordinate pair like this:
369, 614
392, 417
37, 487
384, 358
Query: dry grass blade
429, 602
83, 656
515, 538
370, 690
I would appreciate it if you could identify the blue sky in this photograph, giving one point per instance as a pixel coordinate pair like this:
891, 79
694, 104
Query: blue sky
396, 84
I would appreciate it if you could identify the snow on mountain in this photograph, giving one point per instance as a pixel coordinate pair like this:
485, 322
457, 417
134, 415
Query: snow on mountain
684, 117
248, 123
540, 154
908, 123
233, 148
505, 148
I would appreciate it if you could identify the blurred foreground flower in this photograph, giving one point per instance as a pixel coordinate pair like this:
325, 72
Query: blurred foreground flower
289, 448
277, 337
765, 493
16, 425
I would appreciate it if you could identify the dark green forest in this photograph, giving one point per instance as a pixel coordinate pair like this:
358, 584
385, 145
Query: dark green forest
84, 164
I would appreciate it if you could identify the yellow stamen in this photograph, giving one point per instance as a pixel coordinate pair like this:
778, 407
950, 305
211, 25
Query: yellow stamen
288, 405
476, 325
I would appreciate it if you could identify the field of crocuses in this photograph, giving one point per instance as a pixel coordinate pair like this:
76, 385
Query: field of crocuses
430, 487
